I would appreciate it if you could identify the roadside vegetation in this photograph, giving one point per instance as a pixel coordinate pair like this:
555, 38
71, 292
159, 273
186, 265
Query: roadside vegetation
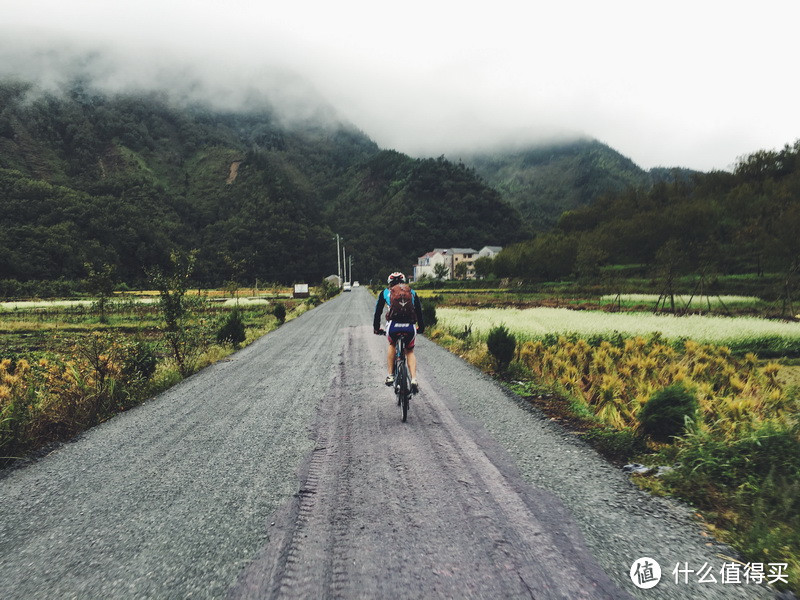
696, 398
64, 369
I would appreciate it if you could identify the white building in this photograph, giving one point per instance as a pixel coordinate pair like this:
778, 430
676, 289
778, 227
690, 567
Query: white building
426, 264
451, 258
489, 251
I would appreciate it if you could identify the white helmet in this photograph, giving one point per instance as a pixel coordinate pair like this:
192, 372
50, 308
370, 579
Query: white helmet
396, 277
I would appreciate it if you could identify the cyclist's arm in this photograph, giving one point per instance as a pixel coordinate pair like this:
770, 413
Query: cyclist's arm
376, 320
418, 310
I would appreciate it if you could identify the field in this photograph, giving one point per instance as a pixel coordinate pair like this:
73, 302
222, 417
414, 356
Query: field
66, 366
742, 334
725, 434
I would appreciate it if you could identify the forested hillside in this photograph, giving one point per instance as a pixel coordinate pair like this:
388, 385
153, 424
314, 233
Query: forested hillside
745, 222
87, 177
393, 206
544, 181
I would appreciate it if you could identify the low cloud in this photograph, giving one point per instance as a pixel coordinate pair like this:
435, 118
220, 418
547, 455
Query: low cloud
677, 84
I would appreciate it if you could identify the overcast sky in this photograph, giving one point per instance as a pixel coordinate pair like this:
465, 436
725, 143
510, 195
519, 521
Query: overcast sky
668, 83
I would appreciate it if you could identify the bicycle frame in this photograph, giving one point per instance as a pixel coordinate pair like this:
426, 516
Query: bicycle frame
402, 384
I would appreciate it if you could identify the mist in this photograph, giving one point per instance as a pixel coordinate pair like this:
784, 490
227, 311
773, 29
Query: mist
667, 84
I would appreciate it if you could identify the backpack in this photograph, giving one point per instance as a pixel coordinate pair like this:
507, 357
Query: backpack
401, 304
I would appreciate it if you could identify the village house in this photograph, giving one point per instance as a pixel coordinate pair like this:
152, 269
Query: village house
489, 251
451, 258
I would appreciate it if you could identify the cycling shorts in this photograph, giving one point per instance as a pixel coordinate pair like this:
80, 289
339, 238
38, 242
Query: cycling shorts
407, 330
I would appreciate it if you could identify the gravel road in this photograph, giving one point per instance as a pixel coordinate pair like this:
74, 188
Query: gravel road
285, 471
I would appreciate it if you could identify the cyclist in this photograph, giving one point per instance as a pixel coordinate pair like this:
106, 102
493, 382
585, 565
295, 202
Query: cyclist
405, 310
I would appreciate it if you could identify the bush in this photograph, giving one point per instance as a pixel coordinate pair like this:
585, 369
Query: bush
429, 314
139, 360
502, 344
664, 414
232, 329
280, 313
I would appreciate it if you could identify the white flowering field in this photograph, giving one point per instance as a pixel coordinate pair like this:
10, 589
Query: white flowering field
535, 323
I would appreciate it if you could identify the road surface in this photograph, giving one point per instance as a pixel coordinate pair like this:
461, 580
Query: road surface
285, 471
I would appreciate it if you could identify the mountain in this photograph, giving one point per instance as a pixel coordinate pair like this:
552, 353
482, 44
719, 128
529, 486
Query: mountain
743, 223
542, 182
395, 205
125, 179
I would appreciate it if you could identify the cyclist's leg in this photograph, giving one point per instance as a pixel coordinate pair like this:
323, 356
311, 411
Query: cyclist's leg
390, 354
412, 362
390, 358
411, 358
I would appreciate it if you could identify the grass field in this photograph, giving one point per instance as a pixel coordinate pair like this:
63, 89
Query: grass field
742, 334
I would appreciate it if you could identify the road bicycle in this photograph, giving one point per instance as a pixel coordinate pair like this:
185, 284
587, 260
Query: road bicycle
402, 378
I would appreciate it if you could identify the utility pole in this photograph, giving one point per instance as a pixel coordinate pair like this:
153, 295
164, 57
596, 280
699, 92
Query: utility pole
344, 261
351, 269
338, 261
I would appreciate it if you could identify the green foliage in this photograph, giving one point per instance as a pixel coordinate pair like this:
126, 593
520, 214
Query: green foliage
328, 289
100, 283
502, 345
232, 330
756, 477
59, 288
172, 286
616, 444
131, 178
665, 413
440, 271
429, 313
543, 182
706, 223
280, 312
442, 203
140, 359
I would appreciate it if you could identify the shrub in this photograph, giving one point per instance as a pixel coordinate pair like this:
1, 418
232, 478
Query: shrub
140, 359
429, 314
663, 416
280, 313
232, 329
502, 344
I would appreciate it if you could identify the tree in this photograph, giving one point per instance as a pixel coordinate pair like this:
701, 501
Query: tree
483, 267
440, 271
100, 283
671, 260
461, 270
172, 286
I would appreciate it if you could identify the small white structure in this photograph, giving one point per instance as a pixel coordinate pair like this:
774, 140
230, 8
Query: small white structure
489, 251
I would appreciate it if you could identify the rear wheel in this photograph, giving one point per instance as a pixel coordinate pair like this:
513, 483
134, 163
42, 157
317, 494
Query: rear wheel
402, 388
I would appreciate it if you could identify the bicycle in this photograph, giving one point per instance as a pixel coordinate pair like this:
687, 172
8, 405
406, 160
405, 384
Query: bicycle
402, 378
